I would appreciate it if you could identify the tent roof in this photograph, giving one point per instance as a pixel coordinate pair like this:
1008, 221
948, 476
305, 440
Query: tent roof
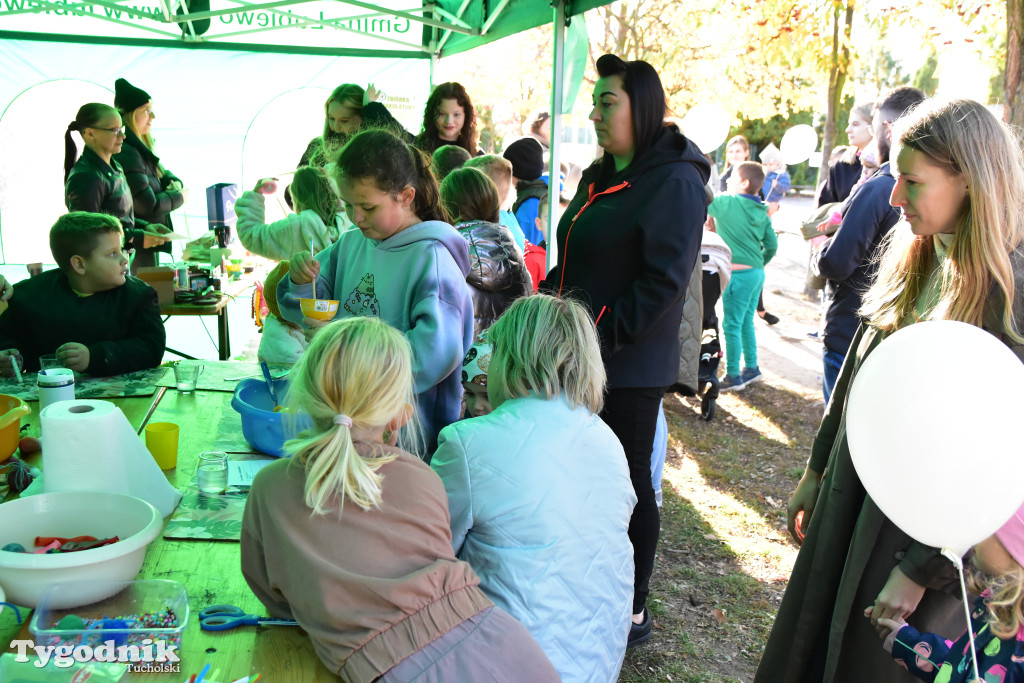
379, 28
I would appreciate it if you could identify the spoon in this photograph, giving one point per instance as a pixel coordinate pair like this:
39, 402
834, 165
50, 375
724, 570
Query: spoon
270, 384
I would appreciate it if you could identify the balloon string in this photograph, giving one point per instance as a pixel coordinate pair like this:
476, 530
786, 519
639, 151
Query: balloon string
955, 559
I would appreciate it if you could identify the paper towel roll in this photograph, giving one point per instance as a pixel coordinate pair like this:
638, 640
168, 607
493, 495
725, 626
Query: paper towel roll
89, 445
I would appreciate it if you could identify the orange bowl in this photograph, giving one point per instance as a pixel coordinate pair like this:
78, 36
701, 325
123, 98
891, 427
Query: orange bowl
319, 309
12, 409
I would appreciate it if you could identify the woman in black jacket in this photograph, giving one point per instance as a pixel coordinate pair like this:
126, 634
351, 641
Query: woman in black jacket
627, 245
95, 181
155, 190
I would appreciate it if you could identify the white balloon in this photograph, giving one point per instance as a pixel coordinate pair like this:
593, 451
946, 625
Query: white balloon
707, 125
798, 143
932, 427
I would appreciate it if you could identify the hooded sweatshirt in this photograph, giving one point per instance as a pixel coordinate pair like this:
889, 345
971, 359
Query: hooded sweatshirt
628, 244
741, 220
414, 281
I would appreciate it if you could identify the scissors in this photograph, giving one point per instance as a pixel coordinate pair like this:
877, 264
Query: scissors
223, 617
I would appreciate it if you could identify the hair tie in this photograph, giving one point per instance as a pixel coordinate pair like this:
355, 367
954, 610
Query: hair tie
73, 125
343, 420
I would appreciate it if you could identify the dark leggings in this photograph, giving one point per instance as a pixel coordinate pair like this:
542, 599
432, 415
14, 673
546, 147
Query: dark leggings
633, 415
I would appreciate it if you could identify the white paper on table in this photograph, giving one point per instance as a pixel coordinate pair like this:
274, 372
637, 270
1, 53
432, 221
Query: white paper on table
242, 472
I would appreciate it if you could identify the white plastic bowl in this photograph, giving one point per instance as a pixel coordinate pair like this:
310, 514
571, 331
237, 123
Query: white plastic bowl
74, 513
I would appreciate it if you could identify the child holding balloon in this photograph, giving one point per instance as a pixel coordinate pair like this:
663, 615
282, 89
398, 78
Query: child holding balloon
957, 255
997, 621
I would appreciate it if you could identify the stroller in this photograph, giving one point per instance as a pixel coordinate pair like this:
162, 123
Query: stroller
716, 268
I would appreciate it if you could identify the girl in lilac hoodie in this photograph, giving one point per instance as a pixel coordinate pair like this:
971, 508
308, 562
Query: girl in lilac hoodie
405, 265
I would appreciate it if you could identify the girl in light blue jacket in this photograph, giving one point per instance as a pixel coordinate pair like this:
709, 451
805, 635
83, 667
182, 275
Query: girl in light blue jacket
539, 490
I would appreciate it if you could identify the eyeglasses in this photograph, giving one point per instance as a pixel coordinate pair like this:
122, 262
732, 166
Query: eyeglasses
115, 131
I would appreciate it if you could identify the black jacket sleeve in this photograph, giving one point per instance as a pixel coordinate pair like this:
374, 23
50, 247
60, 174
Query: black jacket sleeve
376, 115
13, 328
866, 214
85, 192
146, 201
142, 348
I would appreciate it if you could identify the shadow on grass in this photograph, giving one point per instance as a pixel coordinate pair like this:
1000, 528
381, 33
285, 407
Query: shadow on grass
754, 449
724, 555
711, 618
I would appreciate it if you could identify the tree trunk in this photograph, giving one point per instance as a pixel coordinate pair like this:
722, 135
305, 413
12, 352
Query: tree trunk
1013, 89
840, 60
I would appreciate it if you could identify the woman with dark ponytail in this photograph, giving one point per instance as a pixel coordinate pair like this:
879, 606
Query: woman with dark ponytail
405, 265
95, 182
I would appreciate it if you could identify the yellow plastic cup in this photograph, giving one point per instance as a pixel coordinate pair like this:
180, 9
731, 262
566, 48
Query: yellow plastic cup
162, 442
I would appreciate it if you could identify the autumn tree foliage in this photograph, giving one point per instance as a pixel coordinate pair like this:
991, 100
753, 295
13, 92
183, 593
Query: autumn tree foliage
1013, 88
755, 58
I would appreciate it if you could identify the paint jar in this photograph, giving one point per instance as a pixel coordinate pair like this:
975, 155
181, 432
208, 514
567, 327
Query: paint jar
55, 384
181, 276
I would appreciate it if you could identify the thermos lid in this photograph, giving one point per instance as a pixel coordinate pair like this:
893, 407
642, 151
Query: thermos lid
55, 377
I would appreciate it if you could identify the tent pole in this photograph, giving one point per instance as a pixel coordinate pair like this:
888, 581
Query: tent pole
554, 166
434, 45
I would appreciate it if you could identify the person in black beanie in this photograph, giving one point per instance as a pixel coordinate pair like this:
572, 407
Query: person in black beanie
527, 157
155, 190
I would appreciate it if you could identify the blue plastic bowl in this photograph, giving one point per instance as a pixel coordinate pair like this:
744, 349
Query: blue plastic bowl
264, 429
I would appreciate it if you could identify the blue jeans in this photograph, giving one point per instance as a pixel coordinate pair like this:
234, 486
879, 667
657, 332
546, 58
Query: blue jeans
739, 306
833, 362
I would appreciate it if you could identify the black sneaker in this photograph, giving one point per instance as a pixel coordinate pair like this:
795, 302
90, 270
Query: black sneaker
642, 632
770, 318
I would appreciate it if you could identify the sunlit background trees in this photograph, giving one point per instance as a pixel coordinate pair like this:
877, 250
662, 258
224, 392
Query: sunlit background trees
769, 64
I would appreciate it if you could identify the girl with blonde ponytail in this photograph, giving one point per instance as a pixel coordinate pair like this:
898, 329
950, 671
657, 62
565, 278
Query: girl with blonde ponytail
350, 536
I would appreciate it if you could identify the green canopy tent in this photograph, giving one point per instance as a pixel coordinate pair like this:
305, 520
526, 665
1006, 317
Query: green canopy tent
227, 77
341, 27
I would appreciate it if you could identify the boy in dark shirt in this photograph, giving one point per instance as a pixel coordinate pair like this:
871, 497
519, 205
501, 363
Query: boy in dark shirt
95, 318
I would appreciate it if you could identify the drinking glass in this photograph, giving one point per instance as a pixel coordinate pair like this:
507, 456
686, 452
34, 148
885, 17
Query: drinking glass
186, 375
213, 472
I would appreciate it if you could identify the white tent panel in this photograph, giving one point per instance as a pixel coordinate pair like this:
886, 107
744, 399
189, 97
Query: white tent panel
222, 116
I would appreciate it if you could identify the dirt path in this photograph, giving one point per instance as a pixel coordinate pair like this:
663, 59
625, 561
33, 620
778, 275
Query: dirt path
789, 358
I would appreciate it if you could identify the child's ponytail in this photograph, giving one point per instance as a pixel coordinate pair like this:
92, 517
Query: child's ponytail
428, 196
87, 117
355, 377
333, 466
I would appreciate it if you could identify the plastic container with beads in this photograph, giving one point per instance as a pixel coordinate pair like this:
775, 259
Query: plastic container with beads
145, 617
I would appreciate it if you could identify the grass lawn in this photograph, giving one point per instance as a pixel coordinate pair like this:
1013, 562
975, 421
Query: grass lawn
725, 553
